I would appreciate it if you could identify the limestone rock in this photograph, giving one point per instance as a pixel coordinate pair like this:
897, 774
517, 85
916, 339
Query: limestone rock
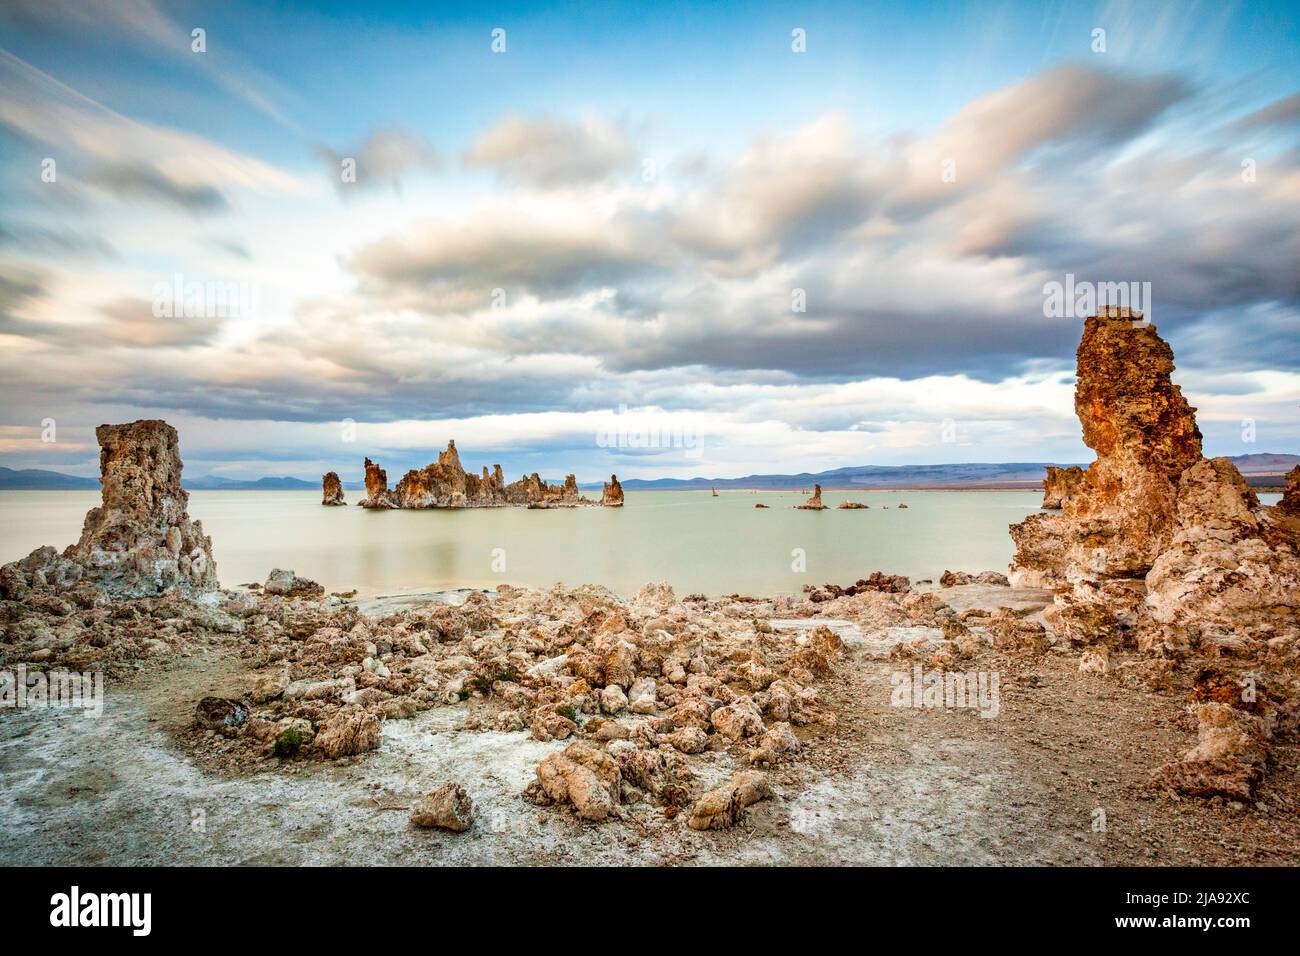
723, 807
287, 584
140, 541
1232, 564
955, 578
1290, 503
612, 495
583, 776
815, 502
1061, 483
448, 808
1154, 545
350, 731
446, 484
332, 489
377, 494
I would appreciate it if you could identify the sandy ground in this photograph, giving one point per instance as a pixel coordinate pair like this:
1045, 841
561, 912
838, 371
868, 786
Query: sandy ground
887, 785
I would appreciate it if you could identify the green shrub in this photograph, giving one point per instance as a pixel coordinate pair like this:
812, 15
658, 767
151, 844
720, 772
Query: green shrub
288, 743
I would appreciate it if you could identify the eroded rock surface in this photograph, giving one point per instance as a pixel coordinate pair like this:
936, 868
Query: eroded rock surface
140, 541
1060, 484
332, 489
1154, 544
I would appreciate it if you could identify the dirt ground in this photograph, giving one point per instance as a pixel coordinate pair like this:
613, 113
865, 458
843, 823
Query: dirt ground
1058, 777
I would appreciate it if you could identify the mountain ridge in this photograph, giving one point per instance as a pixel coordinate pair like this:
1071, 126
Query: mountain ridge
1257, 468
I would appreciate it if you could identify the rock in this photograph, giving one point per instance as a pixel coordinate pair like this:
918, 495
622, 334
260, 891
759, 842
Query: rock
612, 495
1060, 483
548, 724
688, 740
760, 505
851, 505
953, 579
1232, 564
723, 807
447, 808
287, 584
445, 484
220, 714
350, 731
1290, 503
378, 496
1095, 660
1228, 759
815, 502
738, 720
332, 489
613, 700
643, 696
583, 776
140, 541
1154, 544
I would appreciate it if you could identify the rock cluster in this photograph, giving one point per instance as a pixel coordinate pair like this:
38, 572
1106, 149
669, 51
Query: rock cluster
954, 578
1156, 545
332, 489
639, 692
139, 542
445, 484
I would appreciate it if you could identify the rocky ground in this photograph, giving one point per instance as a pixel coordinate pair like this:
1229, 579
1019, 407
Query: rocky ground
867, 782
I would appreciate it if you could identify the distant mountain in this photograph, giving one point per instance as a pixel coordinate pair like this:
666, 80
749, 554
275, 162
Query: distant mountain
34, 479
969, 475
217, 483
1261, 470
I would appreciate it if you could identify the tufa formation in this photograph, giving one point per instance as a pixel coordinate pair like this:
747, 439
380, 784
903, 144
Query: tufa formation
1154, 543
140, 541
445, 484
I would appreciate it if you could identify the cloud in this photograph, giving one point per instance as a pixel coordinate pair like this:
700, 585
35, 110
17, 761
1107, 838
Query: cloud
550, 153
123, 156
131, 322
1283, 112
140, 181
382, 159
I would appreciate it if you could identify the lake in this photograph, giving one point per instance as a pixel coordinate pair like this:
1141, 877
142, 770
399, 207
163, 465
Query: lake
695, 542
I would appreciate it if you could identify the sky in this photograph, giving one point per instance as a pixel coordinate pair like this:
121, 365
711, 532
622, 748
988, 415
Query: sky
658, 239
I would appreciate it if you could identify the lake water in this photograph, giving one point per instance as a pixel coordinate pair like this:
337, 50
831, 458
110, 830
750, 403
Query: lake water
695, 542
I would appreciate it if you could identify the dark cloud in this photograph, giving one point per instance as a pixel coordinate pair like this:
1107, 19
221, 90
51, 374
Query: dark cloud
131, 180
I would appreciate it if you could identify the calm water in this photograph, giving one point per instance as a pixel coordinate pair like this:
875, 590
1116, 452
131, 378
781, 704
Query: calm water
694, 541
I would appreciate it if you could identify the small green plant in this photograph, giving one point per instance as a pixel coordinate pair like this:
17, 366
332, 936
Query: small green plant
569, 711
463, 695
483, 683
288, 743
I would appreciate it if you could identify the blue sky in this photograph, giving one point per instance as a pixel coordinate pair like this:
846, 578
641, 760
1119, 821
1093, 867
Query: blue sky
616, 211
